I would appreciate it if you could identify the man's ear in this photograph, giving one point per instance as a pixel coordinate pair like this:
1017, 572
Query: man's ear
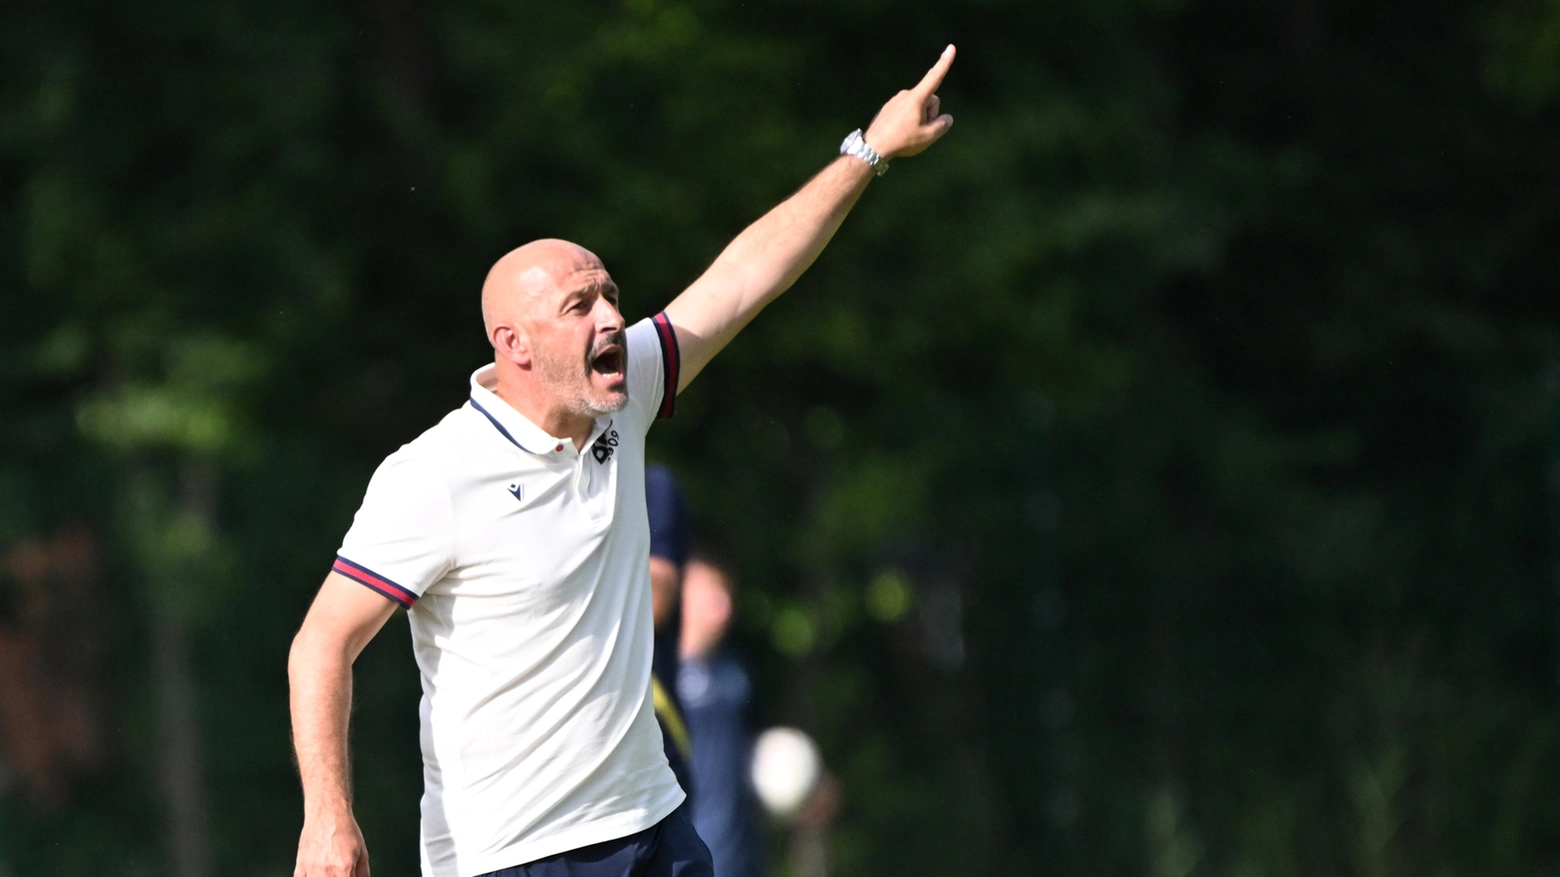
511, 344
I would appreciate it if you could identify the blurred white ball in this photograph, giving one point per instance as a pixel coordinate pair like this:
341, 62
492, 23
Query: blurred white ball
786, 770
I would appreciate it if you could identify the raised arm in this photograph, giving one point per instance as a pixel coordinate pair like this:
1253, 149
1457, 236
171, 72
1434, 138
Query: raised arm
344, 617
766, 258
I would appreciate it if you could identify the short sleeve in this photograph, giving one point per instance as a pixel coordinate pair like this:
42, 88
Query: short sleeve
654, 364
400, 542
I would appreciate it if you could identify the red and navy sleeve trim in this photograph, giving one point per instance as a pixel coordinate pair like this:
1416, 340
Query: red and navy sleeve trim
671, 364
365, 576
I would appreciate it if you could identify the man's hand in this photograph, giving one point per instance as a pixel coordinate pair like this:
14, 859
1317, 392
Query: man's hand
331, 846
766, 258
909, 122
344, 617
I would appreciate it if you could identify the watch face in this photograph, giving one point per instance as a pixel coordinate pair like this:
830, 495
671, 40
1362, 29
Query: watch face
856, 146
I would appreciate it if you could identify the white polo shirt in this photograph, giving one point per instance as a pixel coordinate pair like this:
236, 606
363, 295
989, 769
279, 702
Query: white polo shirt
524, 566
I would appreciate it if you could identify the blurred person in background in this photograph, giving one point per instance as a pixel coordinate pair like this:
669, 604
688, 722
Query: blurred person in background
669, 534
715, 693
516, 535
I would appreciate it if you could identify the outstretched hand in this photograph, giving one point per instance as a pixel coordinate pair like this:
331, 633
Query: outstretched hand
767, 257
910, 121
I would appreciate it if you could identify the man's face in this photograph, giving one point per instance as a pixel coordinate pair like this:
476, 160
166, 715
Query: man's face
577, 341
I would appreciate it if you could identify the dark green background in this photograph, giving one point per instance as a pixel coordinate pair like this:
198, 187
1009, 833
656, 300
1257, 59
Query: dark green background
1200, 391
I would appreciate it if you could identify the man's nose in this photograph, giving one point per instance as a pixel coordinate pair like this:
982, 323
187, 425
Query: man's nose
608, 317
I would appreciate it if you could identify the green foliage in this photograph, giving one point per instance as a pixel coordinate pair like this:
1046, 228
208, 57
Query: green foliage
1154, 477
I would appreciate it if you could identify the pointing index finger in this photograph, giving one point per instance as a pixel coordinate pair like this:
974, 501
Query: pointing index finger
934, 76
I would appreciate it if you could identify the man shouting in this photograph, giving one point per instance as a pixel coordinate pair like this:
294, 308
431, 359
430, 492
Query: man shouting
514, 533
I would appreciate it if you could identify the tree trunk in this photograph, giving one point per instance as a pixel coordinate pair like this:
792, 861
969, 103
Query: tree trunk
182, 773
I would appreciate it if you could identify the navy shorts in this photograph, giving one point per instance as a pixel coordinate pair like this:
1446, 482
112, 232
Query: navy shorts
670, 848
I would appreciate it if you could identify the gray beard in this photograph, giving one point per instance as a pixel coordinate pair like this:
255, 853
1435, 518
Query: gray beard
567, 389
595, 409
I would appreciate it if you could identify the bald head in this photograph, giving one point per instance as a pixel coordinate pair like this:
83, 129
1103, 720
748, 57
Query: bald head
525, 275
560, 352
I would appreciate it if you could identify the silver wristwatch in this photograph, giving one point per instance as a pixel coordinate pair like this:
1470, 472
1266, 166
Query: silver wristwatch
857, 147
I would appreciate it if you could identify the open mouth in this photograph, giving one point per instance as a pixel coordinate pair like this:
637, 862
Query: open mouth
609, 362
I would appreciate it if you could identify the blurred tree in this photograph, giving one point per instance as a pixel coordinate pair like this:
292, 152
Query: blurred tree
1150, 478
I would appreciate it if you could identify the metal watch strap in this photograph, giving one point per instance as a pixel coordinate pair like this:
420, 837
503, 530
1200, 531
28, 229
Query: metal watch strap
856, 147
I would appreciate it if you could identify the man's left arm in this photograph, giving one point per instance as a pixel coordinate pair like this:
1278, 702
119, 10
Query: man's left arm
767, 257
